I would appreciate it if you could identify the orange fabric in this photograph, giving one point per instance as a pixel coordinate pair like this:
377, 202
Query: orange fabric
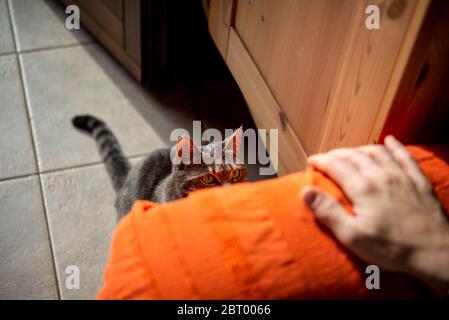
248, 241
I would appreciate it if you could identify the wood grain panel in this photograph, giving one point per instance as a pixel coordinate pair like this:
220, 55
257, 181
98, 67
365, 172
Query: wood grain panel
133, 28
219, 19
297, 46
370, 66
263, 106
104, 18
116, 6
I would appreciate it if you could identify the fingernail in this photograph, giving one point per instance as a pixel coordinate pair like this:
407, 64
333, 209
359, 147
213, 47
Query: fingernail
394, 140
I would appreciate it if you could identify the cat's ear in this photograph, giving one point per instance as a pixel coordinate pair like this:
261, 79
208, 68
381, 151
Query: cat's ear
234, 141
186, 151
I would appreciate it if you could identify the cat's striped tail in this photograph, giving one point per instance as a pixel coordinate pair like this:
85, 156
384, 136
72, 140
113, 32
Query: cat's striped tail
110, 150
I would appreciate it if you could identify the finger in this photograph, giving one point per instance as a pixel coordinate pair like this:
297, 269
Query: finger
362, 161
407, 163
332, 155
380, 154
329, 212
341, 171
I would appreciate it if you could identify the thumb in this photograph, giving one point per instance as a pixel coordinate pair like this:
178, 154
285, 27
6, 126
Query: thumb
328, 211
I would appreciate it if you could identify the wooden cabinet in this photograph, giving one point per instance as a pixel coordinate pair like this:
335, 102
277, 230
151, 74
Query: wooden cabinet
219, 17
117, 25
314, 71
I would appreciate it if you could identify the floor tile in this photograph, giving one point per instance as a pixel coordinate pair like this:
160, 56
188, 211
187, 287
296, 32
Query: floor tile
16, 156
78, 80
6, 37
26, 267
80, 206
41, 24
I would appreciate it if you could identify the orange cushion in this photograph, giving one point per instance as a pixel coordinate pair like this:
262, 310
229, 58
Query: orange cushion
248, 241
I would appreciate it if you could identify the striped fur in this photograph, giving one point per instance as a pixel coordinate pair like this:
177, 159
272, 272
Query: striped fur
116, 164
155, 177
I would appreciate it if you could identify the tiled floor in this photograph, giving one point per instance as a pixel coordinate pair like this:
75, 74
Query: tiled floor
56, 198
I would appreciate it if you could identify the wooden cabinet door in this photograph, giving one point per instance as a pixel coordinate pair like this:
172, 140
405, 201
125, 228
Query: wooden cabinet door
116, 7
219, 17
117, 25
327, 71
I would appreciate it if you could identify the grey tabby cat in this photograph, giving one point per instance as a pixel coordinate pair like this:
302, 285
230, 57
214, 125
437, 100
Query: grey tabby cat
156, 177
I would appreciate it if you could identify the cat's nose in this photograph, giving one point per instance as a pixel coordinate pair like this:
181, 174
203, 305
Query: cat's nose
226, 184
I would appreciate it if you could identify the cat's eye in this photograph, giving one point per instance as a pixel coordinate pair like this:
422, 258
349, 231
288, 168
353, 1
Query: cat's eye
236, 175
208, 179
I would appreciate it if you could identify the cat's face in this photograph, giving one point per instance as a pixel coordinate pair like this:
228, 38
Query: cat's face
218, 165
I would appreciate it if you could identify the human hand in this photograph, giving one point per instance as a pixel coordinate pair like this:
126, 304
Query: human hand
398, 224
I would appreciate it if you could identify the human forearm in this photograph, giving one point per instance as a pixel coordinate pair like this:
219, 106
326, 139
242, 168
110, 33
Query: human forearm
431, 265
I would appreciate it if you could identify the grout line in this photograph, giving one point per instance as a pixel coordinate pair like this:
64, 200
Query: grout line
21, 176
32, 133
5, 54
66, 169
16, 41
86, 165
11, 23
33, 142
63, 46
53, 48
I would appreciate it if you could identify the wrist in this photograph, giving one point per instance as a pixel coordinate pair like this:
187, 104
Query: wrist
431, 266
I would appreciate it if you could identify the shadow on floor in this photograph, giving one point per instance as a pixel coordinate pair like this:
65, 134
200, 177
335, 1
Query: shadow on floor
198, 80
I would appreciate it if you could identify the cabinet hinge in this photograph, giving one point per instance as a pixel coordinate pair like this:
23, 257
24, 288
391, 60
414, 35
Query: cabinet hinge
283, 119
